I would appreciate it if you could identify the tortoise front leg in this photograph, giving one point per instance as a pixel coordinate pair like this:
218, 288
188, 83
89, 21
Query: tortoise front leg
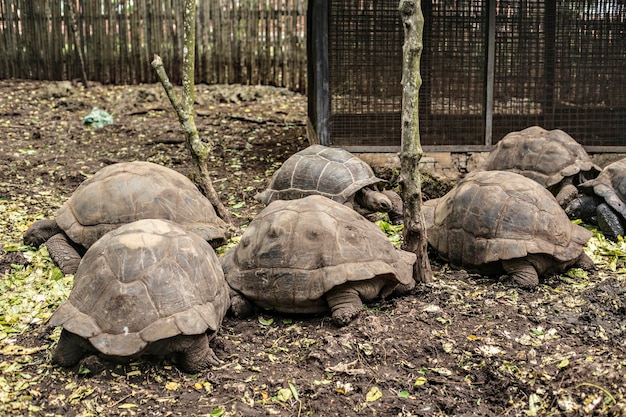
63, 253
522, 272
567, 193
584, 208
345, 304
609, 222
40, 231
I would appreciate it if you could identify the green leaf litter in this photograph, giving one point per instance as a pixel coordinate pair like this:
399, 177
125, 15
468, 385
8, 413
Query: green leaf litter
28, 294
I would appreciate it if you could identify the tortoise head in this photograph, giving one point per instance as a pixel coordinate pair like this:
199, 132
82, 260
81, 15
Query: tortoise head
373, 200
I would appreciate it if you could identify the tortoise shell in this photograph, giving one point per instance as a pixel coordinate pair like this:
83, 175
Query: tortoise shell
319, 170
145, 281
611, 186
491, 216
128, 191
296, 251
544, 156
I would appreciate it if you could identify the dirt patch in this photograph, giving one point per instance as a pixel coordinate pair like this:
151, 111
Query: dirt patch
464, 345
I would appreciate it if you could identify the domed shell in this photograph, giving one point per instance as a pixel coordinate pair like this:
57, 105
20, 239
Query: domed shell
145, 281
294, 252
128, 191
492, 216
319, 170
544, 156
611, 186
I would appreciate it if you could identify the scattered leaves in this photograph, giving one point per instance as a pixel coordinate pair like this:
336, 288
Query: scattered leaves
266, 322
172, 386
419, 381
403, 394
374, 394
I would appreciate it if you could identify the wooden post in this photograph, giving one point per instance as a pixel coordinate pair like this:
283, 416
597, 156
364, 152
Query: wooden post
415, 239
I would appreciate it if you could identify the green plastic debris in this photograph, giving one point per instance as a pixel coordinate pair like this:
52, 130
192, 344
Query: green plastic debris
97, 118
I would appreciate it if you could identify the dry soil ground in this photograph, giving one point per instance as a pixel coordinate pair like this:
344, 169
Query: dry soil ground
463, 345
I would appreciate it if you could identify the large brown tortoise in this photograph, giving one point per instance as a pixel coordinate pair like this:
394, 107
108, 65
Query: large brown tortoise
118, 194
314, 255
551, 157
500, 222
146, 288
334, 173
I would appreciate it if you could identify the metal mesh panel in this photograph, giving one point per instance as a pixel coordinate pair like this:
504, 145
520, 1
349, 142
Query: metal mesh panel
519, 80
590, 71
365, 65
555, 64
561, 65
452, 97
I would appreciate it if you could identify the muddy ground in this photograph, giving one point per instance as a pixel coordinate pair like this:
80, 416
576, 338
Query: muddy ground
463, 345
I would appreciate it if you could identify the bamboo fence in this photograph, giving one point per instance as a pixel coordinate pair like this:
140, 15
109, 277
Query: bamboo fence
237, 41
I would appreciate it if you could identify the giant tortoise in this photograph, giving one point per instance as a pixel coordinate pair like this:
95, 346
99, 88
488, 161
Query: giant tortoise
551, 157
334, 173
118, 194
497, 222
148, 287
314, 255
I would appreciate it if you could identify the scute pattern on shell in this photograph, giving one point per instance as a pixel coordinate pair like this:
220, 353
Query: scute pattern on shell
145, 281
544, 156
492, 216
296, 251
124, 192
319, 170
611, 186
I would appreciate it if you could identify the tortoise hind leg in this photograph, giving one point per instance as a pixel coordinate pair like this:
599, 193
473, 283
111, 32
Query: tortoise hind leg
63, 253
522, 272
70, 349
195, 354
345, 304
584, 262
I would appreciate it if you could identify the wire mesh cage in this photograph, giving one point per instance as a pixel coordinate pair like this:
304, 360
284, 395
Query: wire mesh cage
366, 89
488, 68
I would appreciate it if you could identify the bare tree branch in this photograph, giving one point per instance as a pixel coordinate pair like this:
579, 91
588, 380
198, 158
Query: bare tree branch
200, 150
415, 239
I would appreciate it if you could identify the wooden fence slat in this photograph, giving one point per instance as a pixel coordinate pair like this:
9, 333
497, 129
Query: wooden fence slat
248, 42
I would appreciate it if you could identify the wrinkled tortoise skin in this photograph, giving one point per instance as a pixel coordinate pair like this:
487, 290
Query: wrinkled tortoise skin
295, 253
548, 157
146, 287
611, 186
603, 201
492, 217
